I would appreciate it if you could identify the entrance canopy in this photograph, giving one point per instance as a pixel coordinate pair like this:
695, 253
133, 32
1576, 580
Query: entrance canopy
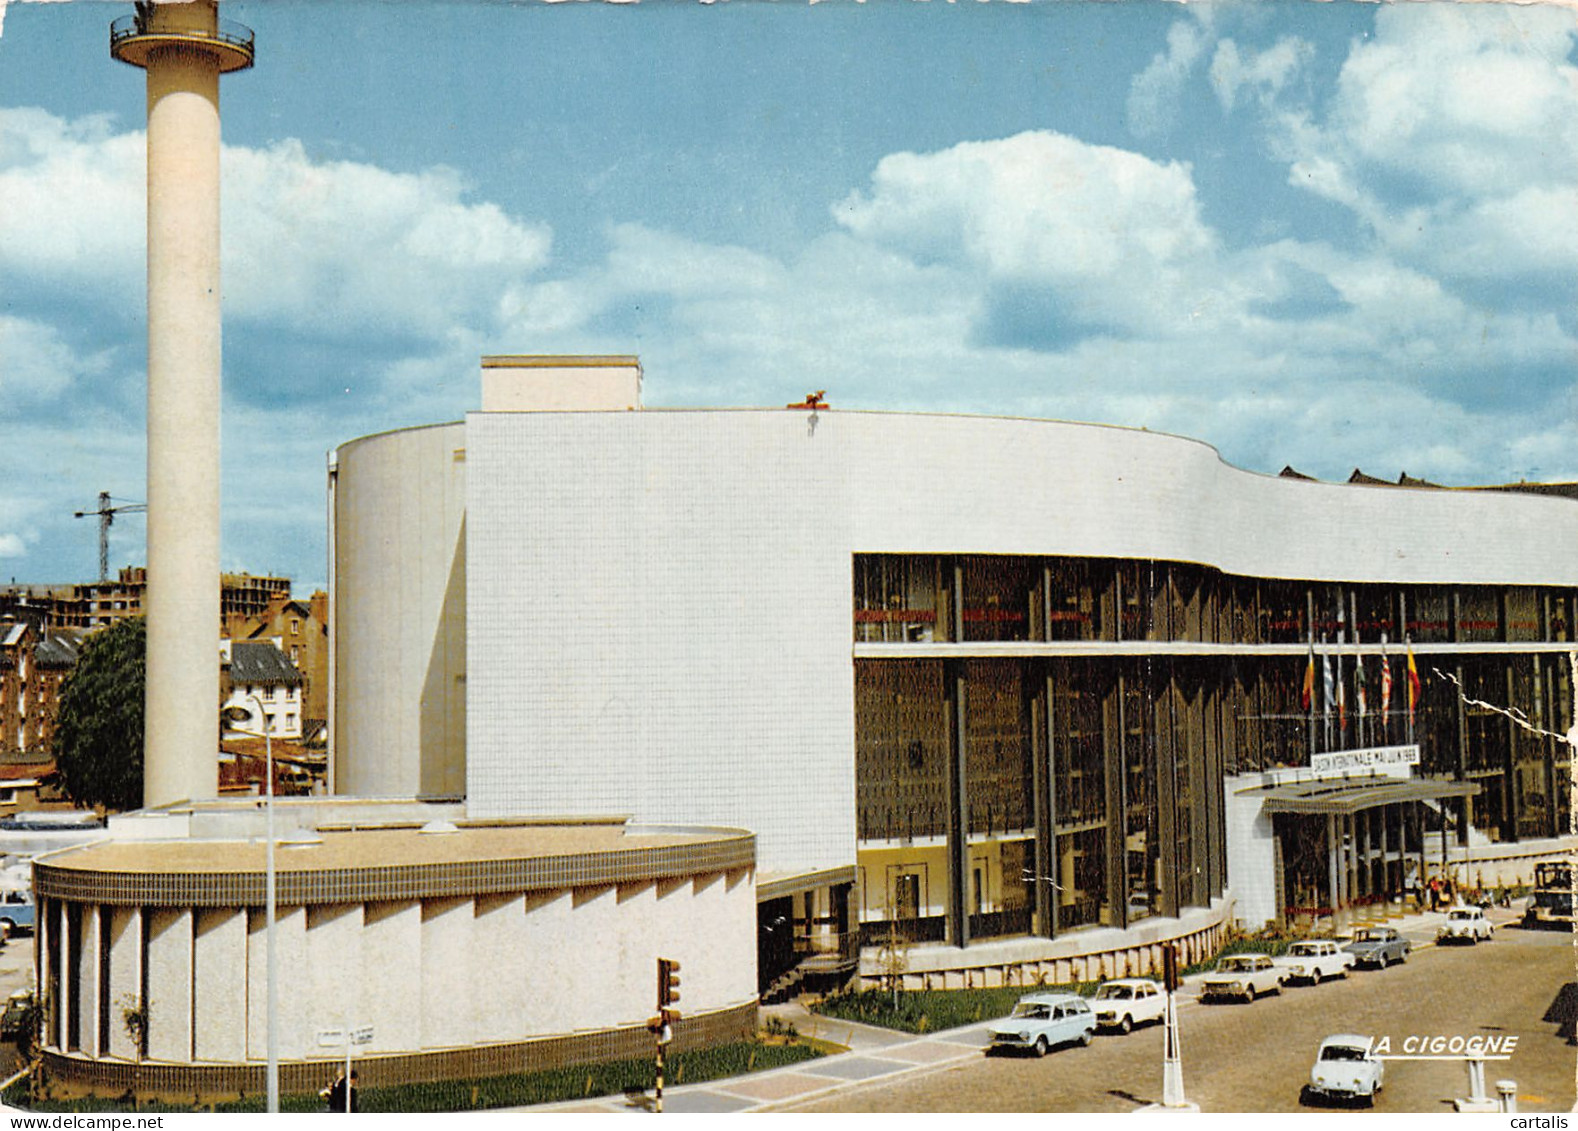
1346, 796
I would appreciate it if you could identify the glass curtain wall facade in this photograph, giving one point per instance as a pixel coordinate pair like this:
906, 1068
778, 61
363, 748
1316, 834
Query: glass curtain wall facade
1061, 782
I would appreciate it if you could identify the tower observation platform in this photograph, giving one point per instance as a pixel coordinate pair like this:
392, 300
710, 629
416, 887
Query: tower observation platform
133, 38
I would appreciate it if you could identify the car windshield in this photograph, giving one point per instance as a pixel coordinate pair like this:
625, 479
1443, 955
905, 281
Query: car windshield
1032, 1009
1342, 1052
1110, 993
1304, 948
1462, 914
1232, 965
1370, 936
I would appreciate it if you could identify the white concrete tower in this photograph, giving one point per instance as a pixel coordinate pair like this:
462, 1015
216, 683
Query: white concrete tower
184, 47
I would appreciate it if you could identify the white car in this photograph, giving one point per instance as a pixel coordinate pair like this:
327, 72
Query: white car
1464, 924
1126, 1002
1346, 1068
1242, 975
1042, 1020
1314, 959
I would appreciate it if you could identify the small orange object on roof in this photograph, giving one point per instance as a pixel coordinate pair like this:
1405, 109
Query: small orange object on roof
813, 401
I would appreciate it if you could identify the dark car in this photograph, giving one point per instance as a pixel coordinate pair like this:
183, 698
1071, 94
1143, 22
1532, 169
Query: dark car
1377, 946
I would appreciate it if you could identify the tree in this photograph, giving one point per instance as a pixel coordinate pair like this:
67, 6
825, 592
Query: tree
98, 726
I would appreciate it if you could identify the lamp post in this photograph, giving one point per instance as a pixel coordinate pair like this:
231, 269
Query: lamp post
271, 981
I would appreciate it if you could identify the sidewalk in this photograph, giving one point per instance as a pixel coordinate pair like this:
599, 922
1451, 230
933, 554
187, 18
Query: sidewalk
873, 1054
884, 1054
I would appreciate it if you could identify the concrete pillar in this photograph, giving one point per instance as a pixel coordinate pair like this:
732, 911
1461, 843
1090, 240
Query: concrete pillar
500, 966
551, 921
68, 960
182, 597
1386, 864
219, 985
91, 1000
1333, 845
1363, 864
169, 1001
392, 940
334, 967
1419, 828
125, 981
446, 972
295, 1034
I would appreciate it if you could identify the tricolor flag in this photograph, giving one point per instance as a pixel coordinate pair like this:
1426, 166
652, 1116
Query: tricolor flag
1386, 682
1307, 692
1413, 684
1358, 686
1327, 683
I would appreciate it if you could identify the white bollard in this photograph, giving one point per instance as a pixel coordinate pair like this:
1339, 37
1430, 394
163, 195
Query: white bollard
1507, 1096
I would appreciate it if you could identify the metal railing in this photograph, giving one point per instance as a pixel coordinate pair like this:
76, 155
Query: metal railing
226, 33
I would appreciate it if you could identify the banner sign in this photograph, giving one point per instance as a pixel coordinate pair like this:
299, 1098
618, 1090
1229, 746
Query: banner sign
1380, 758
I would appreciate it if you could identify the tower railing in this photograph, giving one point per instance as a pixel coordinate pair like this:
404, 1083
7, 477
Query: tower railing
130, 36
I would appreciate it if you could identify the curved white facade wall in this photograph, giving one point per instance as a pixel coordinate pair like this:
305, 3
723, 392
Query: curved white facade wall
658, 602
397, 509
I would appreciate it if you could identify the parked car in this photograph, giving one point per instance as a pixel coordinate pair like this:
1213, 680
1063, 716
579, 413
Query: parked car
1464, 924
1378, 946
1314, 959
1242, 975
16, 913
1346, 1068
1042, 1020
18, 1011
1126, 1002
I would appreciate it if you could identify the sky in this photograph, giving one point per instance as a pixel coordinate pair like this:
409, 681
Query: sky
1331, 235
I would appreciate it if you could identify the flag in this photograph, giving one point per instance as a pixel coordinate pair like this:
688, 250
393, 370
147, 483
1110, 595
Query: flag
1307, 693
1360, 693
1386, 682
1413, 684
1326, 683
1342, 705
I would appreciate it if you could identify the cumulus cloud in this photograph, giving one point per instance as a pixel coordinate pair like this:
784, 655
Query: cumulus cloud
12, 546
335, 248
1154, 93
1109, 236
346, 248
1453, 136
81, 187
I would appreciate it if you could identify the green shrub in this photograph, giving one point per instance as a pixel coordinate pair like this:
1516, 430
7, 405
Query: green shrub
550, 1086
930, 1011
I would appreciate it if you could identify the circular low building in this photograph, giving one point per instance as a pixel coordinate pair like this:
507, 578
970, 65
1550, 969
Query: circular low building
459, 948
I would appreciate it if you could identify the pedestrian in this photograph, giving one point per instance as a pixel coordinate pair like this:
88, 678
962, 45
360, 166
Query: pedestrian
341, 1095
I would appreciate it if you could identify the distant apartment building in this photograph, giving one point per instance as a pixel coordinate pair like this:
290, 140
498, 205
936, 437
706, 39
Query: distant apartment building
94, 604
258, 677
301, 630
34, 664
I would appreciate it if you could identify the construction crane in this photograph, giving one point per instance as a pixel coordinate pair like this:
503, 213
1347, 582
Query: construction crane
106, 515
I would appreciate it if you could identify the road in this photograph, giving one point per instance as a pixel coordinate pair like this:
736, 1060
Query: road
1257, 1057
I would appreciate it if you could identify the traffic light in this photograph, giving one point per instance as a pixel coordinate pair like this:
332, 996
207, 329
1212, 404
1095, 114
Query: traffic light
667, 984
1170, 979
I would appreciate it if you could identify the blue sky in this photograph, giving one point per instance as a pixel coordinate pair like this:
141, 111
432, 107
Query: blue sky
1333, 235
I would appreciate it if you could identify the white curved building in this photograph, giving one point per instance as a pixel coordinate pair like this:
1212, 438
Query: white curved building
947, 657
